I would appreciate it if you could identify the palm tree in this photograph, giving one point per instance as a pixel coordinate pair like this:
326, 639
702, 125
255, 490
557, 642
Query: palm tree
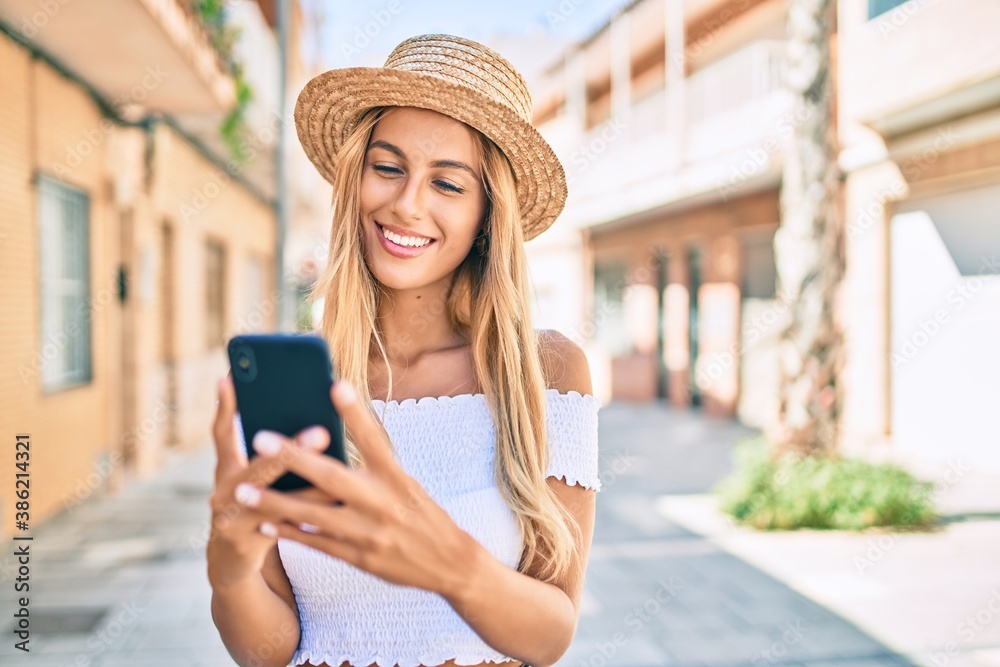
808, 245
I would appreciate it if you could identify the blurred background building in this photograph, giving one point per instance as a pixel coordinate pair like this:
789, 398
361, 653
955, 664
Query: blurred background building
920, 139
134, 242
671, 120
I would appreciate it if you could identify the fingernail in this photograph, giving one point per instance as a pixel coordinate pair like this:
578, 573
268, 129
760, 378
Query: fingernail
269, 529
267, 443
308, 527
313, 438
247, 494
347, 392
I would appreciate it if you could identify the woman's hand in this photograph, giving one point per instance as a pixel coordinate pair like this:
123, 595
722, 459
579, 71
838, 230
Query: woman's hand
236, 547
387, 525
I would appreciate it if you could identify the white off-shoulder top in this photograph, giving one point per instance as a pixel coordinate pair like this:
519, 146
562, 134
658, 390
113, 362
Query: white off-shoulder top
447, 444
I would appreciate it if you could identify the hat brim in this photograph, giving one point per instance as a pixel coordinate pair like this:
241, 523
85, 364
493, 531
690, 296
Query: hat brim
329, 106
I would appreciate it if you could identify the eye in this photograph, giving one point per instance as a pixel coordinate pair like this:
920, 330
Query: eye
386, 169
449, 187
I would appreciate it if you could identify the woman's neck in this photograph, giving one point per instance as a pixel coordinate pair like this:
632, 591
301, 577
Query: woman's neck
414, 323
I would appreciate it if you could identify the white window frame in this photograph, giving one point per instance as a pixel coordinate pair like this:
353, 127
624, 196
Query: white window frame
64, 282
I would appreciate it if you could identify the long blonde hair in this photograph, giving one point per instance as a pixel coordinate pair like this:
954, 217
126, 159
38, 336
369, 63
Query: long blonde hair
488, 303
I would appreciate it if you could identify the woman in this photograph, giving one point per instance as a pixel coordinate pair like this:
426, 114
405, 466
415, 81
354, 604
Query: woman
461, 531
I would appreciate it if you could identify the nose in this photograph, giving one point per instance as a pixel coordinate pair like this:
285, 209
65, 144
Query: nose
408, 204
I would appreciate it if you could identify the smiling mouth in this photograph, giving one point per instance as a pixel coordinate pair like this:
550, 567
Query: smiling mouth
413, 242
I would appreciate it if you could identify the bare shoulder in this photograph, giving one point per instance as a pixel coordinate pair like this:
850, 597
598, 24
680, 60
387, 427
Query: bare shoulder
564, 363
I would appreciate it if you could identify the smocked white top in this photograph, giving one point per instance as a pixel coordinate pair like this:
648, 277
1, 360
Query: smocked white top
447, 444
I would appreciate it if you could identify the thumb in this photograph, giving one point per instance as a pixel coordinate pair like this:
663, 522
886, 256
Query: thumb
230, 455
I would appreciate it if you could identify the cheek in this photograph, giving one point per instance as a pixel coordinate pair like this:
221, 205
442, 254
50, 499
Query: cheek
369, 193
464, 215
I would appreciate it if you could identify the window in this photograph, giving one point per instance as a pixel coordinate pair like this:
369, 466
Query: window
878, 7
215, 274
64, 276
759, 272
610, 328
598, 103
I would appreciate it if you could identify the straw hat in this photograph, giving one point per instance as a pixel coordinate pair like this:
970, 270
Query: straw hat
454, 76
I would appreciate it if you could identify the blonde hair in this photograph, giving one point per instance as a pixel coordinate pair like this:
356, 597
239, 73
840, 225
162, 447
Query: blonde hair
488, 303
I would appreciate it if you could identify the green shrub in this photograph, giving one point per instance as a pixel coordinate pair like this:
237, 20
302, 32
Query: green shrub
813, 492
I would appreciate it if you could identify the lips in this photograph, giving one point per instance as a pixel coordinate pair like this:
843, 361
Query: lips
401, 251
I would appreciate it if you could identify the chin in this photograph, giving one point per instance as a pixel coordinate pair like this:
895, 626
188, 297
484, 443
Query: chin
409, 274
400, 280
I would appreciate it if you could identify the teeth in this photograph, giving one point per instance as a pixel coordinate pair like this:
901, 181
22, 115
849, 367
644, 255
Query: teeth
405, 240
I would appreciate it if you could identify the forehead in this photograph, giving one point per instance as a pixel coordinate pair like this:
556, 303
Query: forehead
426, 134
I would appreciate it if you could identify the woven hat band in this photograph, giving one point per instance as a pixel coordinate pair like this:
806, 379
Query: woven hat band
483, 70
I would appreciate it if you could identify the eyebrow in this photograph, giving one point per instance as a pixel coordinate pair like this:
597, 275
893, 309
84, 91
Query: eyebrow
395, 150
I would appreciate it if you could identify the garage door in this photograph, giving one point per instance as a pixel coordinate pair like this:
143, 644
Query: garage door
945, 327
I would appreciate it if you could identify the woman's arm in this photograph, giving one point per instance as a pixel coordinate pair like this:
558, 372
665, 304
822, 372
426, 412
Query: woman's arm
514, 612
253, 605
257, 616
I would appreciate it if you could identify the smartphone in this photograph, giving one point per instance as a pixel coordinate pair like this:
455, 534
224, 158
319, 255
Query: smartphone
282, 384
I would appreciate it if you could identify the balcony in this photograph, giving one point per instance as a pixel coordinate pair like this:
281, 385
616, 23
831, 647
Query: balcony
153, 52
921, 63
688, 144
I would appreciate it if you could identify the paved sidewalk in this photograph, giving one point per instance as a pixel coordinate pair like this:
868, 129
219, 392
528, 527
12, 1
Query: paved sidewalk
120, 579
661, 594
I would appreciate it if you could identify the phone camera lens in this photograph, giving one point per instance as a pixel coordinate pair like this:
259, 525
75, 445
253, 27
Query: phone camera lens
244, 364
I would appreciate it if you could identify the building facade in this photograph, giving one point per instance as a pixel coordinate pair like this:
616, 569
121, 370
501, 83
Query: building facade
131, 245
921, 157
672, 120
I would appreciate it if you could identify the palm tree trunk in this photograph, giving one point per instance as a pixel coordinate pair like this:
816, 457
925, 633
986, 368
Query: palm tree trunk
809, 243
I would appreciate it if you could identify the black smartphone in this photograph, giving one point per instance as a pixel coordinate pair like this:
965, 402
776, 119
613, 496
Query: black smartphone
282, 384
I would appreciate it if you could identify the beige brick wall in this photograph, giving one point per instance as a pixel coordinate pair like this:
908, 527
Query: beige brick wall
52, 124
43, 116
246, 228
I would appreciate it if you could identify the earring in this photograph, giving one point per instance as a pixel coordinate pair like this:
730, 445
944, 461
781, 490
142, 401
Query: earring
482, 244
